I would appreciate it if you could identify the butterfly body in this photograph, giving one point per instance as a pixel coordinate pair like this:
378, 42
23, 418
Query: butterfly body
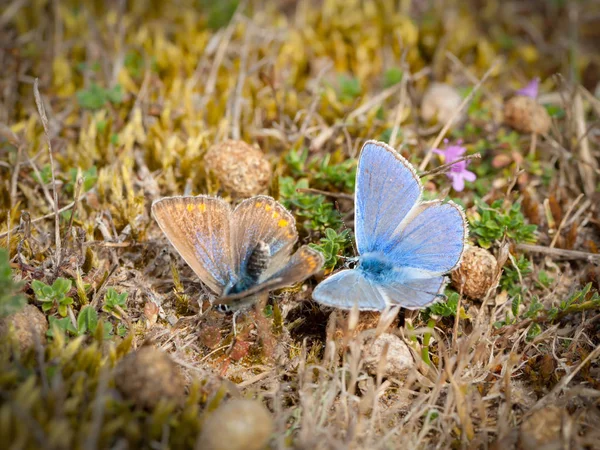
405, 246
376, 266
258, 262
241, 253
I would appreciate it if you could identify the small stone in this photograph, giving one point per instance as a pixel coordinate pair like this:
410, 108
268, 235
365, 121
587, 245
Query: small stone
527, 115
242, 170
239, 424
542, 430
399, 359
148, 375
476, 273
440, 101
26, 327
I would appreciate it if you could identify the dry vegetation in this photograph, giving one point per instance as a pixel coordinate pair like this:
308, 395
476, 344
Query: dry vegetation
107, 106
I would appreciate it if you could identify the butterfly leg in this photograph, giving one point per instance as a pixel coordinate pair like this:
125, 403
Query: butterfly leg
234, 322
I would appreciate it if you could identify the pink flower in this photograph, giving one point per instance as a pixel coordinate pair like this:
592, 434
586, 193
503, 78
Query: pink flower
458, 171
531, 89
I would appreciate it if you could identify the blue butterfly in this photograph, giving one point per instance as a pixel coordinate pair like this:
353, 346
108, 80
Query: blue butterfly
241, 253
405, 245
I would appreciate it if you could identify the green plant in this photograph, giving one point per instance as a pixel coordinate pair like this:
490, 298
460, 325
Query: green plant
444, 309
580, 300
87, 323
392, 76
95, 97
494, 221
539, 316
318, 214
53, 296
322, 174
45, 176
11, 301
512, 277
332, 245
220, 13
544, 279
113, 301
349, 88
327, 175
90, 177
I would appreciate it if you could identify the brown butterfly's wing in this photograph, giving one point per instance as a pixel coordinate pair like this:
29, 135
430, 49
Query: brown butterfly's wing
304, 263
262, 219
199, 228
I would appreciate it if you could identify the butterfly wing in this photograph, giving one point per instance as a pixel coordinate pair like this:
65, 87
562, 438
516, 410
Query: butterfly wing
431, 239
413, 294
262, 219
198, 227
304, 263
387, 188
348, 288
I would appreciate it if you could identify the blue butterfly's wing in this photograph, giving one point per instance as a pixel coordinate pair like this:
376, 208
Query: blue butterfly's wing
199, 228
262, 219
415, 293
348, 288
387, 188
431, 239
304, 263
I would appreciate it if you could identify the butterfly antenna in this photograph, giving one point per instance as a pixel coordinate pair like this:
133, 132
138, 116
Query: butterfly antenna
345, 227
447, 167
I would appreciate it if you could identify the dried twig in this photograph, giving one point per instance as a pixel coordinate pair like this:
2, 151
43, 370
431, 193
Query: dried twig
326, 193
42, 112
564, 220
586, 170
238, 96
401, 102
560, 252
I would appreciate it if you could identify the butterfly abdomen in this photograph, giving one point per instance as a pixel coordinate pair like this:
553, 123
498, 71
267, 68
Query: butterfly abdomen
255, 267
258, 261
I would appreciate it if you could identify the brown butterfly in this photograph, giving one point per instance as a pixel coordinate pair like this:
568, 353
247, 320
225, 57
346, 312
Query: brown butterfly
237, 253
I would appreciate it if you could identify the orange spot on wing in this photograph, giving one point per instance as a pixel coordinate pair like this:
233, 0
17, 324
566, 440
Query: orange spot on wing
258, 204
276, 215
201, 207
190, 207
282, 223
268, 208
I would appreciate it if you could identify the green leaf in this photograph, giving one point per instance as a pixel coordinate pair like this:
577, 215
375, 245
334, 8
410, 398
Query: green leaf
115, 95
92, 98
87, 320
61, 286
220, 12
533, 331
108, 330
121, 330
63, 325
392, 76
349, 87
37, 287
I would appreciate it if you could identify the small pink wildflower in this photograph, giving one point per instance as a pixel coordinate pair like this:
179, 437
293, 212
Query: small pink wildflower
531, 89
458, 172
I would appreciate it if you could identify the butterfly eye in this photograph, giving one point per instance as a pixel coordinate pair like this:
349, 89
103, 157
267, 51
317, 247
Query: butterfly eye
222, 308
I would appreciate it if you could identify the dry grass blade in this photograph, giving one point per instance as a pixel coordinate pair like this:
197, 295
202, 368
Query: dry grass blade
42, 112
